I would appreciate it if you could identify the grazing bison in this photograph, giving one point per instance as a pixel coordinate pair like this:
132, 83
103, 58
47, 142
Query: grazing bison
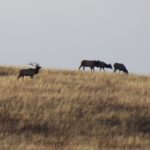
103, 65
88, 63
30, 71
120, 67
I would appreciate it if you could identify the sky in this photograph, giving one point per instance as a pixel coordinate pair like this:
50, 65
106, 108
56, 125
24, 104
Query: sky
60, 33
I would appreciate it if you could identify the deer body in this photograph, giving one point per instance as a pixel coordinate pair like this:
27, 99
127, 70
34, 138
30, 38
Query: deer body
29, 72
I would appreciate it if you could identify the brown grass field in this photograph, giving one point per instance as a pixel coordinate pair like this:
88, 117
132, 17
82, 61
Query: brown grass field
74, 110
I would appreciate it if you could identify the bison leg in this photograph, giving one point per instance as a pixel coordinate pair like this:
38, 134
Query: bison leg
115, 70
80, 67
84, 68
92, 69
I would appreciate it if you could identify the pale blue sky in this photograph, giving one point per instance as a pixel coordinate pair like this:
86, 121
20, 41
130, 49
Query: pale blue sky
60, 33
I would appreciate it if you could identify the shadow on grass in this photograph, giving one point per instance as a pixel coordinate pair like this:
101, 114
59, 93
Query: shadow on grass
79, 121
139, 124
4, 74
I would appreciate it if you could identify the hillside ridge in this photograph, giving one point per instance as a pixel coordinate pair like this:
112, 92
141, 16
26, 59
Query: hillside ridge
62, 109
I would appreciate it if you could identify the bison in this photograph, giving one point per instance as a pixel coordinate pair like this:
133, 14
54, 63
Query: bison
88, 63
120, 67
103, 65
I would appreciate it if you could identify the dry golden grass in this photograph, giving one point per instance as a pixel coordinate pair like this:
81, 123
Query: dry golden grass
72, 110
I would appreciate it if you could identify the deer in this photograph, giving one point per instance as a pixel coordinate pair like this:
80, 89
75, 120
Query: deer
30, 71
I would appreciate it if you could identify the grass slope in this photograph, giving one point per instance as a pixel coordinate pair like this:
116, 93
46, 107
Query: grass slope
72, 110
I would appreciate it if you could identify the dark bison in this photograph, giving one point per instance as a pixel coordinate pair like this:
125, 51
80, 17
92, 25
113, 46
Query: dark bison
30, 71
120, 67
103, 65
88, 63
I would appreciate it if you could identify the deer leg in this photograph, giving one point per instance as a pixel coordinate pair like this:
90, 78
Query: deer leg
19, 76
31, 76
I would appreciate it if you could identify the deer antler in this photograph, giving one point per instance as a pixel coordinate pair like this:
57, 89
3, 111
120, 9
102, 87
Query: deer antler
34, 64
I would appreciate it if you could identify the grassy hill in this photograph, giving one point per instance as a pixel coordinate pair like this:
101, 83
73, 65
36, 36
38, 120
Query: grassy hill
72, 110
